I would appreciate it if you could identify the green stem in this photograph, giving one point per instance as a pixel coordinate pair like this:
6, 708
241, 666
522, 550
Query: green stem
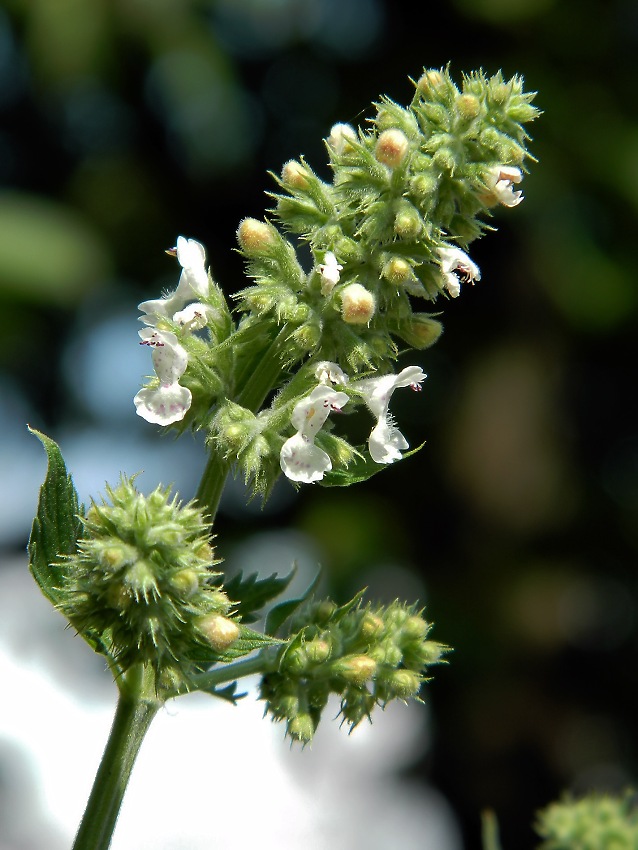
264, 662
252, 395
134, 714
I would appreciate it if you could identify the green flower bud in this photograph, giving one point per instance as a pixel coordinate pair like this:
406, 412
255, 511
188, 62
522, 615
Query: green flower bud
356, 669
141, 579
404, 683
396, 271
302, 728
317, 651
419, 331
371, 626
407, 222
431, 83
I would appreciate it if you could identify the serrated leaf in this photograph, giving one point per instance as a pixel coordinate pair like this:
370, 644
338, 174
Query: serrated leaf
56, 527
359, 470
229, 693
247, 641
250, 594
278, 615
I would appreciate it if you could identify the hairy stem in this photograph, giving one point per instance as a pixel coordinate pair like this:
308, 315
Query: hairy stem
134, 714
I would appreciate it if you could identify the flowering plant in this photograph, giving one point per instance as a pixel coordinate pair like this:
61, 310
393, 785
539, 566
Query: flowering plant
137, 576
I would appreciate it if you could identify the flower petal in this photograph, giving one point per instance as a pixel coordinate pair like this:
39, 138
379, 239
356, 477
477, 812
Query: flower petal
163, 405
385, 443
302, 461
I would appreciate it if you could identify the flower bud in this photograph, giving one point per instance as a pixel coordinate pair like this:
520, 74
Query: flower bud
317, 651
407, 222
396, 271
424, 184
419, 331
293, 174
430, 82
255, 237
371, 626
219, 631
302, 728
357, 669
357, 304
404, 683
185, 582
415, 628
340, 138
391, 148
468, 107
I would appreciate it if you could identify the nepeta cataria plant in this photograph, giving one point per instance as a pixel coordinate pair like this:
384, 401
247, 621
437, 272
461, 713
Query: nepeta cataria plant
137, 575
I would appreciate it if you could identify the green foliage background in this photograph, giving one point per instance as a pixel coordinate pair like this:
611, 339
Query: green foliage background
124, 123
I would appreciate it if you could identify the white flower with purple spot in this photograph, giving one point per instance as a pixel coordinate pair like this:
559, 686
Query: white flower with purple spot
168, 402
386, 442
457, 268
300, 459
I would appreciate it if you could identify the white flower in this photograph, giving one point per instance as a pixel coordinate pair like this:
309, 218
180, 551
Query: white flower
193, 283
457, 268
330, 373
300, 459
194, 317
168, 402
330, 272
500, 179
386, 441
340, 136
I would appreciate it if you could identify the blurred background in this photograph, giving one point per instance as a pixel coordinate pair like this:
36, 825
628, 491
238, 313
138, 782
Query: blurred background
124, 123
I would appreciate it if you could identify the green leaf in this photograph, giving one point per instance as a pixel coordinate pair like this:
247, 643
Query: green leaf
247, 641
250, 594
278, 615
359, 470
56, 527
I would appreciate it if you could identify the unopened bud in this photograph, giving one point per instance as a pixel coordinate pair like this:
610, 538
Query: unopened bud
430, 81
407, 223
219, 631
340, 138
325, 610
415, 628
141, 579
396, 271
293, 174
302, 728
371, 626
391, 148
255, 237
358, 669
317, 651
424, 184
419, 331
357, 304
404, 683
468, 106
185, 582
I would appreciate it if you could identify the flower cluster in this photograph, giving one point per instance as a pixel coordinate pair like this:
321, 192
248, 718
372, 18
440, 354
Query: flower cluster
167, 402
368, 656
590, 823
144, 585
394, 223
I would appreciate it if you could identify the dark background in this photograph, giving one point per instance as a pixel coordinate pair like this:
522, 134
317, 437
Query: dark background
124, 124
